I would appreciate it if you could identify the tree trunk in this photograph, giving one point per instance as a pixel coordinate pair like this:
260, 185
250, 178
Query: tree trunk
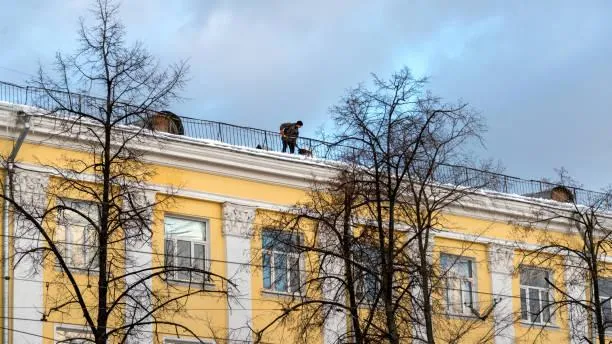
425, 289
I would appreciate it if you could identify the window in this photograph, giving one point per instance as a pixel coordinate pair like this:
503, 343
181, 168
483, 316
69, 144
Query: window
605, 294
186, 248
459, 284
367, 283
76, 237
535, 295
72, 335
281, 261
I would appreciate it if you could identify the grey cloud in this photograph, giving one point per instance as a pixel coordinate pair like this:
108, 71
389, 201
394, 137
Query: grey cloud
537, 71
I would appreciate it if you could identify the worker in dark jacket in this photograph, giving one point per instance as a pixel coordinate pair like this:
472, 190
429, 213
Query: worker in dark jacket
289, 134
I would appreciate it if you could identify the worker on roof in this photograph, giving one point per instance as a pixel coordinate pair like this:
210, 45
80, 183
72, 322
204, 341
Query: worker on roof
289, 133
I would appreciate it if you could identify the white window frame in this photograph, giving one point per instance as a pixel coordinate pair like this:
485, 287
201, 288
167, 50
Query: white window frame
466, 308
291, 256
176, 340
526, 289
67, 244
77, 331
205, 243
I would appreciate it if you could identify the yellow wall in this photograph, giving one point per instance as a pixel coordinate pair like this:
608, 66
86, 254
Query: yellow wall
208, 313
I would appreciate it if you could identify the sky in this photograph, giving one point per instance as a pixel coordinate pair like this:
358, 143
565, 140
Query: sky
539, 72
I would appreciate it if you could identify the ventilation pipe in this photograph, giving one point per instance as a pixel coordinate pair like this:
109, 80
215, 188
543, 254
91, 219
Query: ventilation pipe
23, 121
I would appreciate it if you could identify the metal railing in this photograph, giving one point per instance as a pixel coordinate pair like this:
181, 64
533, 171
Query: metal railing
269, 140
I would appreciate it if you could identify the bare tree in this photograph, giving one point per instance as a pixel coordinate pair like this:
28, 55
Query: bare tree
582, 294
372, 248
105, 98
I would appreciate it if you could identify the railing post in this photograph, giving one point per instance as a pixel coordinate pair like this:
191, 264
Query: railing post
220, 135
506, 184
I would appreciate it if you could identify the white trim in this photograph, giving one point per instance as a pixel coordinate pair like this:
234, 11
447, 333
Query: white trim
276, 168
190, 153
237, 228
478, 239
141, 256
184, 340
576, 289
501, 268
27, 293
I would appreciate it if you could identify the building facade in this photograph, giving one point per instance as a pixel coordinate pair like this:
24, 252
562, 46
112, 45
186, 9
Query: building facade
221, 196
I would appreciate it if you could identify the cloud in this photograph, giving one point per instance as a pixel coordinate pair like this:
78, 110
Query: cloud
537, 71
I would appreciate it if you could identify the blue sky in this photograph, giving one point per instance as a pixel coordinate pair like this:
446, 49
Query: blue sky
539, 72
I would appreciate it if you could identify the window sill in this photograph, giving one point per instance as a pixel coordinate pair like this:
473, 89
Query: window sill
277, 294
77, 270
526, 323
208, 285
461, 315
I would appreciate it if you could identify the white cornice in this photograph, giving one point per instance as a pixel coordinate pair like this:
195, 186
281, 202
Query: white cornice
191, 154
261, 166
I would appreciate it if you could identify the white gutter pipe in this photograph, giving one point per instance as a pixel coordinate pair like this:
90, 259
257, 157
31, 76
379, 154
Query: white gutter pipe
25, 119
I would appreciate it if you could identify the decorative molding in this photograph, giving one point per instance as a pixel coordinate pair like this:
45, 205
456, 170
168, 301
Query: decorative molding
335, 321
576, 288
275, 168
139, 254
237, 229
188, 153
501, 259
419, 330
501, 266
30, 192
238, 220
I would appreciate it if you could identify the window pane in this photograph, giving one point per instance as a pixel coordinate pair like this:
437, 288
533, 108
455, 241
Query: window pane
454, 295
445, 261
280, 272
280, 241
371, 287
198, 261
366, 281
545, 310
77, 248
463, 268
61, 240
605, 292
606, 305
605, 288
294, 273
467, 294
185, 229
169, 256
359, 288
534, 277
90, 250
534, 305
267, 271
524, 311
183, 258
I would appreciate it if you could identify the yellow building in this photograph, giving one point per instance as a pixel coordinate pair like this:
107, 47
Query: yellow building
221, 193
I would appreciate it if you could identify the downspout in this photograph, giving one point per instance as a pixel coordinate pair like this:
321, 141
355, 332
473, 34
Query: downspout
25, 120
